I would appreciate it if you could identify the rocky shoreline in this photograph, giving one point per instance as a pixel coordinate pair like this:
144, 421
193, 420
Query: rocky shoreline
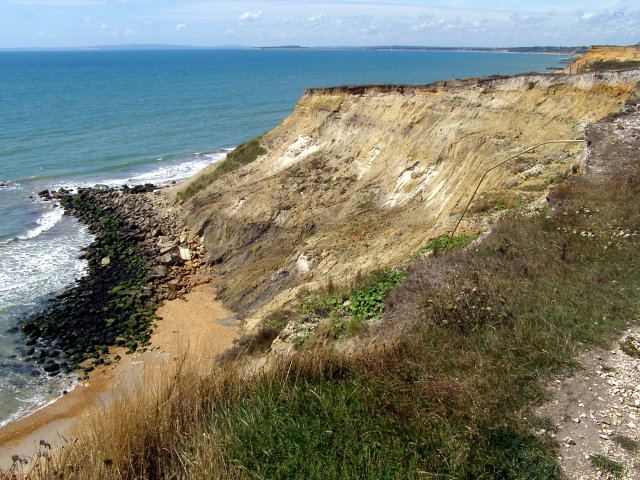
140, 257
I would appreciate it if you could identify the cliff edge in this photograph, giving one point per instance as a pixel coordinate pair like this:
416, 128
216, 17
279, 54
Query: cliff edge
358, 178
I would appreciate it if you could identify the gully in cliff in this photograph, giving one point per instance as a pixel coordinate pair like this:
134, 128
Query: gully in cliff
135, 263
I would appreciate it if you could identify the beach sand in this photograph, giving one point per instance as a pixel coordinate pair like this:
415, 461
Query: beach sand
197, 325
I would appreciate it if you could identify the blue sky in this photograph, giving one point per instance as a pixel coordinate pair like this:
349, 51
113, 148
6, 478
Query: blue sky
69, 23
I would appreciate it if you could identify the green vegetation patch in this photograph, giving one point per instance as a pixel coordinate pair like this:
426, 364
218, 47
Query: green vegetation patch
631, 346
612, 65
439, 244
608, 466
243, 154
629, 444
349, 308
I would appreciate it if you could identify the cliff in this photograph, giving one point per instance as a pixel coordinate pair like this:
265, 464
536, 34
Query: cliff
358, 178
599, 56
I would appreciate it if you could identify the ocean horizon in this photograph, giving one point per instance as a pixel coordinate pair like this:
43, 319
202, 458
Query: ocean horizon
74, 119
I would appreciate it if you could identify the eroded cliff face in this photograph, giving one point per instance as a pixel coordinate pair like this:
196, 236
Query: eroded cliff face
358, 178
605, 54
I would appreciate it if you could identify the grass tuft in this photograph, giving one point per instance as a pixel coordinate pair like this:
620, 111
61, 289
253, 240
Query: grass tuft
243, 154
608, 466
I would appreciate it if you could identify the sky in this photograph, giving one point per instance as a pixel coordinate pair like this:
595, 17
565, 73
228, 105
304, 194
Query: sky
451, 23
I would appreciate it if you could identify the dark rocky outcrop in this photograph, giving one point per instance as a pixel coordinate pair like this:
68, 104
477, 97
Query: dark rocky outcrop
138, 260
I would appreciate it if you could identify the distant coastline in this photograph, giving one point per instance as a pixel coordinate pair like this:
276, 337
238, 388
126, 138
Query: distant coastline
537, 50
576, 50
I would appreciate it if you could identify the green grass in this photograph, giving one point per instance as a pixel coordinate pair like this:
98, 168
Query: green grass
242, 155
612, 65
438, 244
608, 466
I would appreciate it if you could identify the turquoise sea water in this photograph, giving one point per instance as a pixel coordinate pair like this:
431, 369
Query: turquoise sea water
80, 118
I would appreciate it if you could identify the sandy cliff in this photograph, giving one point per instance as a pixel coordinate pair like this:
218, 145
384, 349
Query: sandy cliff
599, 54
358, 178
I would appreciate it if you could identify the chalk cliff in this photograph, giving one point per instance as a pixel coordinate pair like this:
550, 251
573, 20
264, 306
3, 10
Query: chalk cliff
358, 178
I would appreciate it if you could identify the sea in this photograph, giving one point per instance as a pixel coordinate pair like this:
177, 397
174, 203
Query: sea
79, 118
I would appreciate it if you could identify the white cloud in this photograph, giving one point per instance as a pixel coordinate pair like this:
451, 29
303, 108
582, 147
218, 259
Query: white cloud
588, 16
109, 29
250, 16
180, 26
128, 32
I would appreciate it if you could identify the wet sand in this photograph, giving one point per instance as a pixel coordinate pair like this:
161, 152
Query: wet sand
198, 324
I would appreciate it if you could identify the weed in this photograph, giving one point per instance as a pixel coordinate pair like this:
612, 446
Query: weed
367, 300
606, 465
367, 201
279, 319
502, 201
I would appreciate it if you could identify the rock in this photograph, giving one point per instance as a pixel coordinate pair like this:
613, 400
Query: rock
51, 367
166, 259
105, 261
166, 248
533, 171
160, 270
45, 194
185, 253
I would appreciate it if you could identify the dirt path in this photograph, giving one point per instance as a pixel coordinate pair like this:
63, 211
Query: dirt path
597, 413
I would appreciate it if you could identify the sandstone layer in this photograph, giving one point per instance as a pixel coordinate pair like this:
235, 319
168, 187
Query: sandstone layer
358, 178
598, 54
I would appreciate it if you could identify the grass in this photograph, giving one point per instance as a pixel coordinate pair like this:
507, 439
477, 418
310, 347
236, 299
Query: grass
445, 388
243, 154
612, 65
629, 444
501, 201
608, 466
439, 244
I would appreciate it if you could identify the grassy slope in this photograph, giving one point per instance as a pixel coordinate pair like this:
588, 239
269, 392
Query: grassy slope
243, 154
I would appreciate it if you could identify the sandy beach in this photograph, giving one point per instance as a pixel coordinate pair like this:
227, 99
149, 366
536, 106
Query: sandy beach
197, 325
